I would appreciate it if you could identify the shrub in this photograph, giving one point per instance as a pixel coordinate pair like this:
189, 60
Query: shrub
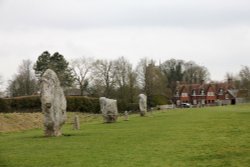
3, 105
74, 104
24, 103
158, 100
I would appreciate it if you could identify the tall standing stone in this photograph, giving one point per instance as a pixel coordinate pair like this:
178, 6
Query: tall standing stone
109, 109
53, 103
143, 104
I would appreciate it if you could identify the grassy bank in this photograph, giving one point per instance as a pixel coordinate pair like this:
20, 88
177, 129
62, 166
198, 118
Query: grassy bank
18, 122
215, 136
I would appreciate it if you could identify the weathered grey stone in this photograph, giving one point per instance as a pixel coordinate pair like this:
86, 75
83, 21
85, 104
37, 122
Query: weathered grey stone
53, 103
126, 116
143, 104
109, 109
76, 124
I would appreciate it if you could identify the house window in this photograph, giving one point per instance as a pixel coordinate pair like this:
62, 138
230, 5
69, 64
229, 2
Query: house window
184, 95
202, 92
193, 93
210, 93
177, 93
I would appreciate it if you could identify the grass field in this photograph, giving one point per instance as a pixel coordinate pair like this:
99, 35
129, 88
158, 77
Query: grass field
214, 136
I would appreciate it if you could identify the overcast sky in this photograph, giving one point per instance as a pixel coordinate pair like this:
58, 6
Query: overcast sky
213, 33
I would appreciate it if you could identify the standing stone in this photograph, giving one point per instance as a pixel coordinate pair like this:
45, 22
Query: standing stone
53, 103
109, 109
126, 116
143, 104
76, 124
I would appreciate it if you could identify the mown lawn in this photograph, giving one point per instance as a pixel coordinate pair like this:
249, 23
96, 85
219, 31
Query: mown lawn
215, 136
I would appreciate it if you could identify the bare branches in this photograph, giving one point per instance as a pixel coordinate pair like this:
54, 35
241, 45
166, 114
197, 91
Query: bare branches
81, 69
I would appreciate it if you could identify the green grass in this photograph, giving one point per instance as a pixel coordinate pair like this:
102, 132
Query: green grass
215, 136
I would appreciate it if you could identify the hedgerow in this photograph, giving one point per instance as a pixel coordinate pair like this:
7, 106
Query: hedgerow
3, 105
33, 104
83, 104
74, 104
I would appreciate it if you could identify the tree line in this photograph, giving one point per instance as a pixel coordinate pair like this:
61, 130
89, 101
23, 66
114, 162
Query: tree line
115, 78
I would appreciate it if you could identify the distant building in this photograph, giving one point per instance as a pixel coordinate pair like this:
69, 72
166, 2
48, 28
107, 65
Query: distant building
206, 94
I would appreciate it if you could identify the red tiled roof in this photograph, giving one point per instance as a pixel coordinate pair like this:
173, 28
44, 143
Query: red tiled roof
198, 87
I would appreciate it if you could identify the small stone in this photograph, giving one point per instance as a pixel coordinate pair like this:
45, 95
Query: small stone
126, 116
76, 124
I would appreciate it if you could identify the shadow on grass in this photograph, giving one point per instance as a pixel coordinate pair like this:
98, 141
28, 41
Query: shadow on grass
62, 136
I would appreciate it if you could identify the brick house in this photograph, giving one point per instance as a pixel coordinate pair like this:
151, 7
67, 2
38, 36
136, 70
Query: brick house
205, 94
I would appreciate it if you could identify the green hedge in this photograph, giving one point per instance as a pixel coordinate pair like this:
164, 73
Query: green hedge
74, 103
25, 103
123, 106
157, 100
33, 104
83, 104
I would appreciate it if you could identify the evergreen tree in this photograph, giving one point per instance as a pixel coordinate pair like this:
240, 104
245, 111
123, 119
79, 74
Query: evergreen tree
57, 63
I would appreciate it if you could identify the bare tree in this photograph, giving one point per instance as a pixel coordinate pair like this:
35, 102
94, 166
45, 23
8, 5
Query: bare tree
151, 81
1, 80
103, 75
245, 77
133, 88
122, 67
194, 73
24, 82
125, 79
1, 84
235, 78
156, 85
81, 68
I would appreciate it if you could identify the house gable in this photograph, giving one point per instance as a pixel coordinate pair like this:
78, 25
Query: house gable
184, 94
